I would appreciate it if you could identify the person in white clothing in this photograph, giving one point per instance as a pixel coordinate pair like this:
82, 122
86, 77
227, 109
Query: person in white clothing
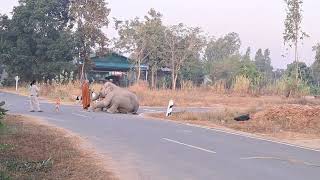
34, 102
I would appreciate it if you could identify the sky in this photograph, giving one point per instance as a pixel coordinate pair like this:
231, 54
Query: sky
260, 23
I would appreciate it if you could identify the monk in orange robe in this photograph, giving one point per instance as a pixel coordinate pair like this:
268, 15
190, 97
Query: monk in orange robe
85, 95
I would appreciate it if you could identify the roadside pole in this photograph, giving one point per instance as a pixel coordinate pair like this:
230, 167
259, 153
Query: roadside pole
17, 80
170, 108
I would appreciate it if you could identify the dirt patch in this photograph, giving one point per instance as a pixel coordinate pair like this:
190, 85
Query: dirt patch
298, 124
29, 150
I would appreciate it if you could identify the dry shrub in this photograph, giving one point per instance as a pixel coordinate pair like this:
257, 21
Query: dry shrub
64, 91
187, 85
219, 87
241, 85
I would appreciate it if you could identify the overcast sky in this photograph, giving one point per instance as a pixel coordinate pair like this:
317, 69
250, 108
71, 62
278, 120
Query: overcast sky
259, 22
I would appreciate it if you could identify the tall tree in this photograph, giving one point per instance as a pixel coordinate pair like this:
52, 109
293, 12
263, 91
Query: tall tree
316, 65
39, 38
293, 31
145, 40
263, 64
222, 49
89, 16
183, 43
247, 55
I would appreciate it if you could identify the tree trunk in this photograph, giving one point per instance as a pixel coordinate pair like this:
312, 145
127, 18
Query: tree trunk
82, 70
173, 74
152, 78
296, 61
175, 80
156, 79
139, 70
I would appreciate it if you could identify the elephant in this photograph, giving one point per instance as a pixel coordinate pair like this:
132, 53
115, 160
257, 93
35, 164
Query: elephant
116, 99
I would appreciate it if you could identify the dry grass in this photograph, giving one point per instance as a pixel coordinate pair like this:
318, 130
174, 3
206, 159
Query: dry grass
34, 151
273, 120
189, 96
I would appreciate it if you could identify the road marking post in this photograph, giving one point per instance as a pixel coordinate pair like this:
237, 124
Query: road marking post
17, 80
170, 108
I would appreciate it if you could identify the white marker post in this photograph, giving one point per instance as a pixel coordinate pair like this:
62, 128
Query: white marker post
170, 108
17, 80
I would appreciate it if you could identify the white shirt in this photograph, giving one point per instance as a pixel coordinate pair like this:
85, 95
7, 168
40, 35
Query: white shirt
34, 90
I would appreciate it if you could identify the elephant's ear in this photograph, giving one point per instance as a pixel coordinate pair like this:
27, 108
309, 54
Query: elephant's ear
111, 88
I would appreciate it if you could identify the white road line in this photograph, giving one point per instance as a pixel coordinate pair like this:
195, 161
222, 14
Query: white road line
53, 119
151, 110
188, 145
80, 115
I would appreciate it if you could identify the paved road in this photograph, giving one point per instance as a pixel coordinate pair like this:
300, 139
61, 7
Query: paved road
154, 149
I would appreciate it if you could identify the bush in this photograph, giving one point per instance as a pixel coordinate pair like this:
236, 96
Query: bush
241, 85
315, 90
2, 112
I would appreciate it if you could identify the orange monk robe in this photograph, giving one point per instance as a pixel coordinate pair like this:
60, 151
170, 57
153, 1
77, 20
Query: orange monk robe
85, 95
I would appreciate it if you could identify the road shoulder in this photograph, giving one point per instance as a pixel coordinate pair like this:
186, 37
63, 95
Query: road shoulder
32, 148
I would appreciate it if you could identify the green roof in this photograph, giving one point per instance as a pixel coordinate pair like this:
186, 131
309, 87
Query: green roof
113, 62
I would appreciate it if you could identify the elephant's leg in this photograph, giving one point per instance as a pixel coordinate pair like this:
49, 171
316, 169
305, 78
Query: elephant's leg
98, 105
113, 109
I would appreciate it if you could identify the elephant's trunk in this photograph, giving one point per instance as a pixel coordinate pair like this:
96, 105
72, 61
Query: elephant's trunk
96, 97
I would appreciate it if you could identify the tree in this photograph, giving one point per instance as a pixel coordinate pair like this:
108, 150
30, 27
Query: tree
145, 40
249, 70
304, 73
263, 64
259, 60
293, 31
315, 67
182, 43
38, 42
225, 70
247, 57
224, 48
193, 70
89, 17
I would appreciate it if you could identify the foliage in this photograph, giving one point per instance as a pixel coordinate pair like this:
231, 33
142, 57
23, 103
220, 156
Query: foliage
37, 41
263, 64
293, 31
183, 43
291, 87
222, 48
89, 17
144, 39
315, 67
241, 84
223, 55
304, 72
2, 112
226, 69
193, 70
249, 70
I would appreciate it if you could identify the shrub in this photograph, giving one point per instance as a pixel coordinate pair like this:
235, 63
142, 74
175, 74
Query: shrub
2, 112
241, 85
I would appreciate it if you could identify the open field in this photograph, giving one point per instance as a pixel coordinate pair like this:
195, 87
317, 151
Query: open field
33, 150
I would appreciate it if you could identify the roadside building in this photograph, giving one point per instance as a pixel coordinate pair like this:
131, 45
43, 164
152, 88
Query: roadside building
116, 68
